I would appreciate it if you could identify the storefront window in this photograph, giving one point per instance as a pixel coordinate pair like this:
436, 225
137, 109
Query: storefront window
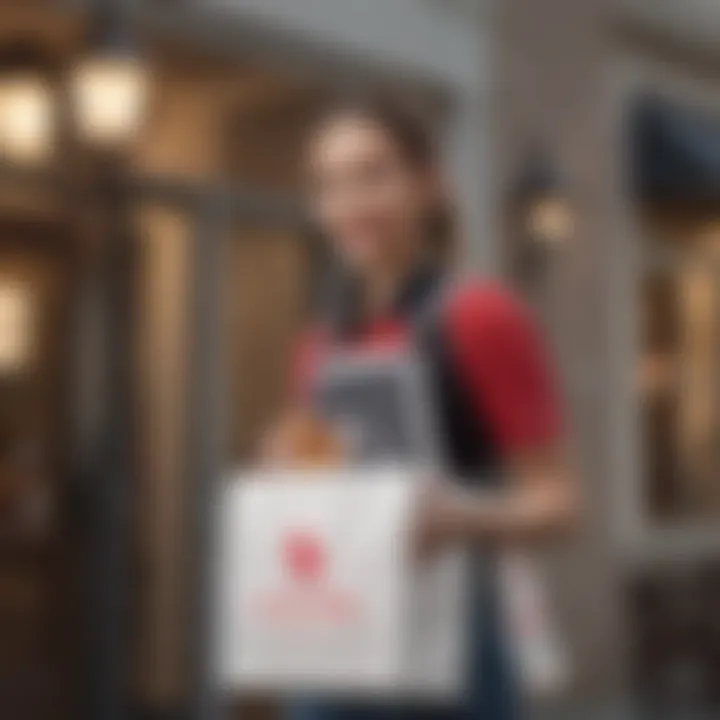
263, 320
678, 377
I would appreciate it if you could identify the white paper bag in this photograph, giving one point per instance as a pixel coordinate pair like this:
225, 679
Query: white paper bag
318, 589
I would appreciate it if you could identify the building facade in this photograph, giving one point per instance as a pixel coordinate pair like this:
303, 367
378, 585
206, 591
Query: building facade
234, 86
628, 305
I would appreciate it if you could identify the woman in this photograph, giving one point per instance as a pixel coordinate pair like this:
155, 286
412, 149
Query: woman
377, 193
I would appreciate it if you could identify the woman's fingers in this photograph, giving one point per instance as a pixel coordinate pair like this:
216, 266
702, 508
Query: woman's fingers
432, 522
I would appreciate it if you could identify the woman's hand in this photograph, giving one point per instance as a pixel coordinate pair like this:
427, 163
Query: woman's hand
435, 519
300, 439
539, 504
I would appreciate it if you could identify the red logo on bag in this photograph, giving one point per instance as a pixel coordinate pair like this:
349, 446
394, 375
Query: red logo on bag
306, 597
304, 556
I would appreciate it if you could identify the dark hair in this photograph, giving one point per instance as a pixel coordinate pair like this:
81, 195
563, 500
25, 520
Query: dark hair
417, 144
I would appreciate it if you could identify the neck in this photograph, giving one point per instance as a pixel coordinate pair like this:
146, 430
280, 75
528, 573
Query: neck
381, 289
383, 284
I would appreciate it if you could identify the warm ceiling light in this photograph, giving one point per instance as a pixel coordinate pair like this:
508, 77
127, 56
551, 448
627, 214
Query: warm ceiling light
110, 84
26, 119
109, 93
26, 107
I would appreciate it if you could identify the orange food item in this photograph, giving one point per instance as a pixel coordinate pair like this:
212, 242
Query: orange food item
310, 442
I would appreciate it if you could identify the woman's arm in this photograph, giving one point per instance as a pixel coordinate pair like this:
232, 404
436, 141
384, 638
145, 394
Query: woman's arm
540, 503
501, 363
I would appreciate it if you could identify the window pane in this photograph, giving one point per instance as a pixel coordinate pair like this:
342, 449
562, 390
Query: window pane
267, 294
679, 386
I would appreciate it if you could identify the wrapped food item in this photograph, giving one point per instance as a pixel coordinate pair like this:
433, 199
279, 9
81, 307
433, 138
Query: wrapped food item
303, 440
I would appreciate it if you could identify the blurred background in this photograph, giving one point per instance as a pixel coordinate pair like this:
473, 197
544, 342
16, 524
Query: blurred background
155, 264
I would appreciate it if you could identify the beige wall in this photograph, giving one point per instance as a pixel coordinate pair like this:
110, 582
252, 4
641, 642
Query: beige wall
552, 63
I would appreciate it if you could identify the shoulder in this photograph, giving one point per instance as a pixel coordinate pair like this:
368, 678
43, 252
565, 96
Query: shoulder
499, 353
475, 305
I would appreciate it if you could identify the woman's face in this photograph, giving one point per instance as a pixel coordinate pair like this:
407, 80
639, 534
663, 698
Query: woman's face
368, 197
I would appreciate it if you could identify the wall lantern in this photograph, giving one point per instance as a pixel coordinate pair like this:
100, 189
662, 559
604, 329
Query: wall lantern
541, 215
27, 114
109, 85
108, 92
544, 203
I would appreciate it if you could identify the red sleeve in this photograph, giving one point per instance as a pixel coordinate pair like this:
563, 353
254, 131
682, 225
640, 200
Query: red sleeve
499, 353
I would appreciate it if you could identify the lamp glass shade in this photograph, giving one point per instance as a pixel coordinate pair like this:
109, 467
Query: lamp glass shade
550, 219
26, 117
109, 94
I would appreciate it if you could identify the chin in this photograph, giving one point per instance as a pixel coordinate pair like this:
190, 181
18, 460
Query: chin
364, 260
368, 266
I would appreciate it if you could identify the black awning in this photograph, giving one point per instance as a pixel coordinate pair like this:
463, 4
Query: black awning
675, 154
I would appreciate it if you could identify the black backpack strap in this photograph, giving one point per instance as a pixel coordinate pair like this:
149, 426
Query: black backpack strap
427, 317
465, 442
425, 333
